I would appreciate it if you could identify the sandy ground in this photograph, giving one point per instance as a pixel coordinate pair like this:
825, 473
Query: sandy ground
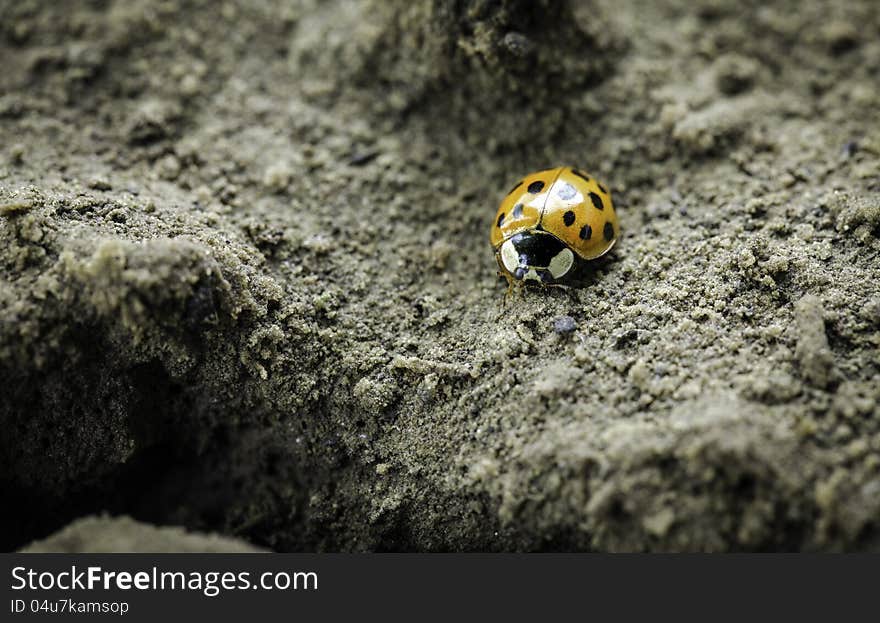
246, 288
115, 535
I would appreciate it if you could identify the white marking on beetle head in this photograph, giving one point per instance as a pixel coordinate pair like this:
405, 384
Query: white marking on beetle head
561, 263
509, 256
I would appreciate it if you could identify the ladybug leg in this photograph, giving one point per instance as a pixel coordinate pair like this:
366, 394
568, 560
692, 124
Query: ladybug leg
561, 286
510, 286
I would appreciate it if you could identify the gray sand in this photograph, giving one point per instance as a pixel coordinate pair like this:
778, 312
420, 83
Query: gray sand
105, 535
245, 283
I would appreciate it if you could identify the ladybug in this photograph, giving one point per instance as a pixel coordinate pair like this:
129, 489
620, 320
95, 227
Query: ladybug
550, 221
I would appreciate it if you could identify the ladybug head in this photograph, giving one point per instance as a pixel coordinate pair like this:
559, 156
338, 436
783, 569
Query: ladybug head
536, 256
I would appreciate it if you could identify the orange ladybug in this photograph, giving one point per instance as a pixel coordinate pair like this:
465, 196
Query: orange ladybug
550, 221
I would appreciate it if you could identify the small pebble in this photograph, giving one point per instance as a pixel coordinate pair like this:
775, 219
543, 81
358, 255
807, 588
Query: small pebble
99, 183
16, 154
518, 44
169, 167
735, 74
190, 85
564, 325
359, 159
840, 36
278, 176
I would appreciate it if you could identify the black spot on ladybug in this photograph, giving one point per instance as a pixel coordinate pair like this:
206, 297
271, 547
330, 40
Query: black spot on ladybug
586, 232
518, 184
500, 219
519, 273
608, 231
602, 187
568, 218
597, 201
581, 175
536, 187
517, 211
